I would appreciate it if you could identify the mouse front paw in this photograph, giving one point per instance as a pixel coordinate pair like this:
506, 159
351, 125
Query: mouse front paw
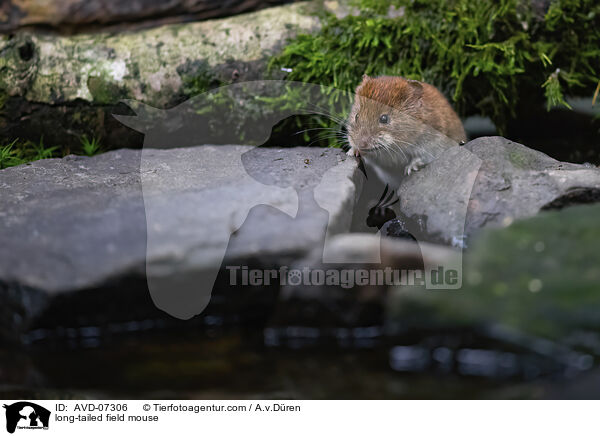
353, 152
414, 166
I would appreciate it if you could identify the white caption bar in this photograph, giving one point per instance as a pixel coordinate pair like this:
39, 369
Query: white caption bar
266, 417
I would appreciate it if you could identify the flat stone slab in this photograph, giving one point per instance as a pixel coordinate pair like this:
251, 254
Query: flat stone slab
80, 223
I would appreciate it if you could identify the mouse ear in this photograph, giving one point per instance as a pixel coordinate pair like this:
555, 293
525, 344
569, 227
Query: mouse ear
360, 86
417, 86
417, 89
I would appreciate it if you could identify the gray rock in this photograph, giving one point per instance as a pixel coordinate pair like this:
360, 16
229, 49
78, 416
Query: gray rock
490, 181
72, 223
82, 223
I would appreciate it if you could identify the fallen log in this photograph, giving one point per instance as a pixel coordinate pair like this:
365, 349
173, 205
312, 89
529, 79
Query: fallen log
77, 15
64, 86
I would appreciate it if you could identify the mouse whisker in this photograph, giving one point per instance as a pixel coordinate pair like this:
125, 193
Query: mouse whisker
326, 109
422, 151
427, 149
337, 121
389, 151
416, 149
326, 113
330, 136
400, 148
314, 129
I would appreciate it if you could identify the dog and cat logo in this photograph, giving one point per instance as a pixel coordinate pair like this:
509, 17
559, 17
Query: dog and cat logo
26, 416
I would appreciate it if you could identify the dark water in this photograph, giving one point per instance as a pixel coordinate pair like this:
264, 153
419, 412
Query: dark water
292, 362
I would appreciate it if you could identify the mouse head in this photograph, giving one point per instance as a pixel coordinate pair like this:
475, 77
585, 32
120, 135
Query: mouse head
385, 110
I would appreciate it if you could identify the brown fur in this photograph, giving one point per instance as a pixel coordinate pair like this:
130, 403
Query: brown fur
415, 109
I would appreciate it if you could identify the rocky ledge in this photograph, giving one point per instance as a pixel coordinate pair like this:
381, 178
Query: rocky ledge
76, 229
76, 224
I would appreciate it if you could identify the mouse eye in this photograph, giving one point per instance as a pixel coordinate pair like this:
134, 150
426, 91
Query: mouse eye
384, 119
356, 117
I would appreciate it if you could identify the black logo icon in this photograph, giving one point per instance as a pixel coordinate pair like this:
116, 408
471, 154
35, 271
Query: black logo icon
26, 415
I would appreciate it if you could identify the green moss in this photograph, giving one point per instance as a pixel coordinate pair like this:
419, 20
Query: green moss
197, 77
490, 57
104, 91
199, 83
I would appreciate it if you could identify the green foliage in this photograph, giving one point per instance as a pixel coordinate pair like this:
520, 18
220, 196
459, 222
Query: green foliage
40, 151
19, 152
490, 57
10, 156
90, 147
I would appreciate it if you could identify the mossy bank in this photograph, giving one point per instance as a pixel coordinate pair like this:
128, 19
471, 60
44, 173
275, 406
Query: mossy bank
493, 58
